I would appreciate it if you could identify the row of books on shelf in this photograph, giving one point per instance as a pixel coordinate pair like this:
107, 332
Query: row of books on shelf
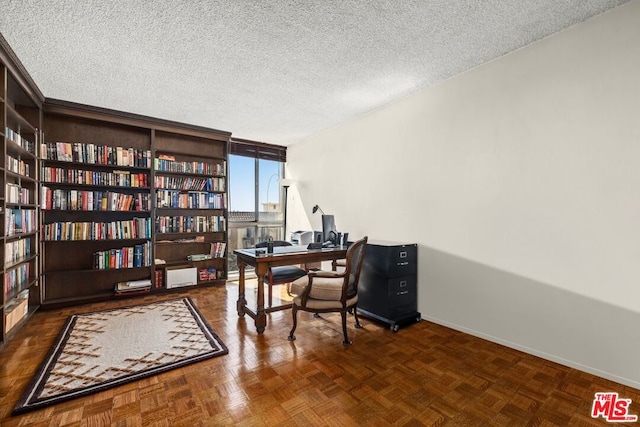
15, 193
209, 273
217, 249
114, 178
17, 250
95, 154
78, 200
190, 224
145, 285
190, 200
168, 163
18, 221
190, 183
18, 139
127, 257
18, 166
16, 279
136, 228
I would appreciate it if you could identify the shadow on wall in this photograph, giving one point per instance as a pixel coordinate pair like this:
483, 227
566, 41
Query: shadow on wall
535, 317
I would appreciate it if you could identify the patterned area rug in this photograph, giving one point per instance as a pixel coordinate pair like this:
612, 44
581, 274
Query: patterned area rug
100, 350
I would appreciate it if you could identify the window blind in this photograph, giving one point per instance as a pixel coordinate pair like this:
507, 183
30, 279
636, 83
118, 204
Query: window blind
258, 150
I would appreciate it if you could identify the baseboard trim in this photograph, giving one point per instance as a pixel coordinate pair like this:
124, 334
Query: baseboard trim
534, 352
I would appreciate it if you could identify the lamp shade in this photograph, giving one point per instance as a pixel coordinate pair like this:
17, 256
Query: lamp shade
286, 182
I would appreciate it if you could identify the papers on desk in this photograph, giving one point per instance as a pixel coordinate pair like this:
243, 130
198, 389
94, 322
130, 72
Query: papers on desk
289, 249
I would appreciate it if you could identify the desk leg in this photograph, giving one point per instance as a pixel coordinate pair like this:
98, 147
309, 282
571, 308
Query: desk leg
242, 302
261, 317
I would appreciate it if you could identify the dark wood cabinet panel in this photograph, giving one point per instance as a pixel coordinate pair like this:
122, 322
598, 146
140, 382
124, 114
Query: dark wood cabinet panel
67, 128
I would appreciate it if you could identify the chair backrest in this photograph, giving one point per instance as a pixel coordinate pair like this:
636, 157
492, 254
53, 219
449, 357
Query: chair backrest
355, 256
275, 243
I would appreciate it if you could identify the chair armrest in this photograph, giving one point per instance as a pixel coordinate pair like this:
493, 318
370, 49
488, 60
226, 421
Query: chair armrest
304, 295
325, 274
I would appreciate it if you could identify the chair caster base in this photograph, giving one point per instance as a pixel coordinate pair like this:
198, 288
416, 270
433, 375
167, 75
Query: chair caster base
291, 338
358, 326
348, 342
316, 315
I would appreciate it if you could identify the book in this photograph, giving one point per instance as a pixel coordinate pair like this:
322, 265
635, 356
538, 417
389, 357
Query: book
198, 257
137, 283
126, 288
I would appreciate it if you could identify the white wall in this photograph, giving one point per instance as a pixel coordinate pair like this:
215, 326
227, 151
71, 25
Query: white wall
519, 180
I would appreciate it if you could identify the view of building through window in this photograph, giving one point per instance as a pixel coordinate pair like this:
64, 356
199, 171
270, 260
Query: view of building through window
255, 203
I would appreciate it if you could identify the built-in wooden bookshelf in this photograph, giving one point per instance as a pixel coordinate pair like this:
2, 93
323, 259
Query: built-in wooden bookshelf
95, 200
191, 206
130, 196
20, 124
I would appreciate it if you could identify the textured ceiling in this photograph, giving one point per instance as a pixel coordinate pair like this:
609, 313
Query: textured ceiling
273, 71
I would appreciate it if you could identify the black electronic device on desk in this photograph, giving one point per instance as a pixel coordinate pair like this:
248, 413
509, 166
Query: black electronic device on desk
388, 287
328, 227
330, 237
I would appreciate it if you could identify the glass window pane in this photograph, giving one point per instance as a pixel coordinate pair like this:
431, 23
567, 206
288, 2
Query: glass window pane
242, 188
264, 233
240, 238
270, 206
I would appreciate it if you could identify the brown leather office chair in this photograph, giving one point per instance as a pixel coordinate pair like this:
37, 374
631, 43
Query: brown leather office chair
280, 275
330, 291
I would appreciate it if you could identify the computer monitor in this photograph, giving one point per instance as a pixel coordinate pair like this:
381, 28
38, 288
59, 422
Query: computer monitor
329, 231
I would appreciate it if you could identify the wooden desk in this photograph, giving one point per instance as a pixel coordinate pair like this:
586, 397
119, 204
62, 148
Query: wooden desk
282, 255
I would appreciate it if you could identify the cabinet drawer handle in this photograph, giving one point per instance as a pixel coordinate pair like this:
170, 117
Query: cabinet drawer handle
403, 292
403, 283
404, 263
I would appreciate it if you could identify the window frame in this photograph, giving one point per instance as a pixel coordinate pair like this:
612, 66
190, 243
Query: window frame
258, 151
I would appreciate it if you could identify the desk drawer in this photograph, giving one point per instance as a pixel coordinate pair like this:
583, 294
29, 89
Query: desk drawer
402, 261
391, 261
402, 290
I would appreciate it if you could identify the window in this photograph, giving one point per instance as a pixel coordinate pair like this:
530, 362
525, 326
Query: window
270, 194
255, 195
242, 185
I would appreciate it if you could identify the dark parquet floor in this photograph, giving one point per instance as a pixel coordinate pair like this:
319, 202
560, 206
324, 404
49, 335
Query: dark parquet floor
424, 375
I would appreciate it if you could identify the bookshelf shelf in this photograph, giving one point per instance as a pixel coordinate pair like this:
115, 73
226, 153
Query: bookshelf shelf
15, 263
21, 177
18, 236
93, 242
15, 149
93, 271
15, 292
17, 122
21, 205
96, 186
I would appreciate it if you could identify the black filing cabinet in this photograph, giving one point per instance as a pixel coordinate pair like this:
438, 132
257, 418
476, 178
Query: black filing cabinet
388, 288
